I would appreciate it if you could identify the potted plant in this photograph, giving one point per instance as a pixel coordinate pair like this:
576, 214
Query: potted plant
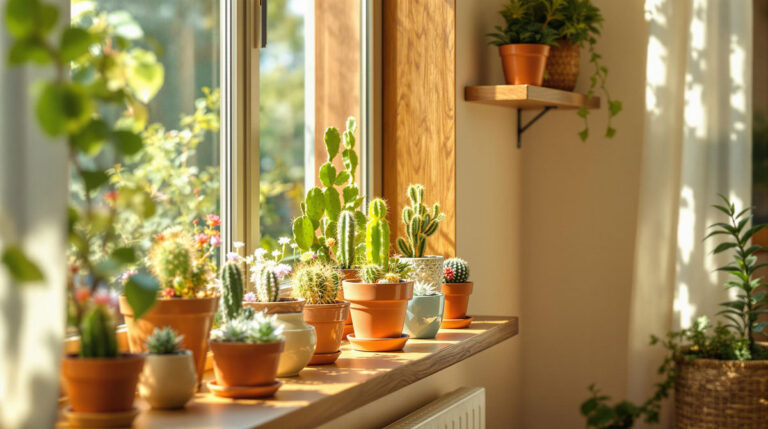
347, 258
183, 263
379, 301
719, 373
318, 283
169, 378
524, 41
457, 289
424, 314
245, 357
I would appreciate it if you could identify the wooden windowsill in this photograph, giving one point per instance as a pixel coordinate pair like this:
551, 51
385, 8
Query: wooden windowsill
322, 393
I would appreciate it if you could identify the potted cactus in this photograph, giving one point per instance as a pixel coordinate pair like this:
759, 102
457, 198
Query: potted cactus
187, 303
318, 284
457, 289
245, 357
424, 314
169, 378
378, 302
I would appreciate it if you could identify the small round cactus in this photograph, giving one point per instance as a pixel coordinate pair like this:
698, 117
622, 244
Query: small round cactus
456, 270
164, 341
316, 283
174, 261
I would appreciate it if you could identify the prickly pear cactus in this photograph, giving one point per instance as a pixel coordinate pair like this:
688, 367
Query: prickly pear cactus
97, 330
231, 290
419, 222
460, 269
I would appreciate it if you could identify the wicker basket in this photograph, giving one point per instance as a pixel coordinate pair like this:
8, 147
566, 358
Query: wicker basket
562, 66
714, 394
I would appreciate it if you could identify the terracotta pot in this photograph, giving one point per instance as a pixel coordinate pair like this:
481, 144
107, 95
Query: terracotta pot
378, 309
191, 318
243, 364
168, 381
352, 276
524, 63
328, 321
456, 299
101, 385
300, 338
562, 66
424, 316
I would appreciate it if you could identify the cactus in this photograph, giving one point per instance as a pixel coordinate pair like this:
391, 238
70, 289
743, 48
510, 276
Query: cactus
174, 261
346, 239
460, 270
261, 329
317, 283
420, 224
371, 273
267, 285
164, 341
377, 235
97, 334
231, 290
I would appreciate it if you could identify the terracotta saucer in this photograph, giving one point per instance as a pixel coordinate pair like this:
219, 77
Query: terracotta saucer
122, 419
324, 358
378, 344
348, 329
456, 323
237, 392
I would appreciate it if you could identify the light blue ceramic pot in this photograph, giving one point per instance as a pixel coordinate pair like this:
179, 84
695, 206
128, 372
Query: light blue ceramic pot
424, 315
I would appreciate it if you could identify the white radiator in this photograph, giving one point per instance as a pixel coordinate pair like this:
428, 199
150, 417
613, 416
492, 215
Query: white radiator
461, 409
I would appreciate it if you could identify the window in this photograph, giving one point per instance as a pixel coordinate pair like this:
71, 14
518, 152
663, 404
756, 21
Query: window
760, 119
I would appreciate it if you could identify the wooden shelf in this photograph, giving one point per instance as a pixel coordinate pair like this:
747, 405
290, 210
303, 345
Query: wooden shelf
528, 97
321, 393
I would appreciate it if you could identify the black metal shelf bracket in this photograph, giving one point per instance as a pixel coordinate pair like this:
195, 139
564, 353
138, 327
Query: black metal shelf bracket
521, 129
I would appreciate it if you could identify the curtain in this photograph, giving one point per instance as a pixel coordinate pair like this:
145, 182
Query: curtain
697, 144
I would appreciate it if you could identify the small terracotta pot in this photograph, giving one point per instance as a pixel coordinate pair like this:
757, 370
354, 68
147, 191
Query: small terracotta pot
524, 63
456, 299
168, 381
352, 276
562, 66
243, 364
378, 309
191, 318
328, 321
101, 385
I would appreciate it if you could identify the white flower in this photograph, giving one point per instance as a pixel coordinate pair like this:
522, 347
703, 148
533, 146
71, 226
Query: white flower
238, 244
233, 257
294, 245
250, 297
259, 253
249, 260
276, 253
282, 270
283, 240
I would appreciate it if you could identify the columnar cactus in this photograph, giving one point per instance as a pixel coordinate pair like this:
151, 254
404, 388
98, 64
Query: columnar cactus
377, 234
97, 334
317, 283
231, 290
346, 240
419, 223
459, 270
267, 285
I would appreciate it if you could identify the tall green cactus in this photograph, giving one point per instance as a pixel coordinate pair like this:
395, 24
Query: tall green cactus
267, 285
97, 334
377, 235
346, 240
231, 290
419, 223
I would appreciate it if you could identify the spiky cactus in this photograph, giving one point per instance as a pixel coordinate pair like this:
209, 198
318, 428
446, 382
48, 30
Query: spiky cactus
164, 341
231, 290
317, 283
261, 329
174, 261
346, 239
97, 334
459, 269
267, 285
420, 224
377, 235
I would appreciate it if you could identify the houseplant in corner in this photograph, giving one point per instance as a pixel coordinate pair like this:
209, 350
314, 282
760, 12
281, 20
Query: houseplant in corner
245, 357
378, 302
525, 39
425, 311
457, 289
169, 378
318, 284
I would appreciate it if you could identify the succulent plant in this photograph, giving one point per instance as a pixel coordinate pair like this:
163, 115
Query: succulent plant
456, 270
260, 329
345, 240
267, 285
317, 283
164, 341
174, 261
423, 289
97, 334
420, 224
231, 290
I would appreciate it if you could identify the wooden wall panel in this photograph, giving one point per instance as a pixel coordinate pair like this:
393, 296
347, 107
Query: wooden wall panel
419, 110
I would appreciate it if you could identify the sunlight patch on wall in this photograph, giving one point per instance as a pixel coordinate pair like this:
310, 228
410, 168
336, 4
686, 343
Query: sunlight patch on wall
683, 307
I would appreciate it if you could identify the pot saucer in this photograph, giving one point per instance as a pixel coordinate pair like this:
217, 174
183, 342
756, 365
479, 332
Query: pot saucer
456, 323
244, 392
324, 358
122, 419
378, 344
348, 329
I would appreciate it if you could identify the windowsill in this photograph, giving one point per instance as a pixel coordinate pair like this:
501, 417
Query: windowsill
322, 393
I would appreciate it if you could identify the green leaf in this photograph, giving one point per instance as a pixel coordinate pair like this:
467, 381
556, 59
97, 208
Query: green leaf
349, 157
24, 50
303, 232
124, 25
351, 124
21, 268
349, 139
47, 16
137, 201
759, 327
342, 178
124, 255
91, 139
332, 141
723, 247
315, 204
64, 108
751, 231
21, 18
127, 142
584, 134
332, 204
146, 75
327, 174
74, 44
94, 179
582, 112
350, 193
610, 132
141, 292
615, 107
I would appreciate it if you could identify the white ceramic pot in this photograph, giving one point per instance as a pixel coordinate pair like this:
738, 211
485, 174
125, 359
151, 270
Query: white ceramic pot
427, 271
300, 340
168, 381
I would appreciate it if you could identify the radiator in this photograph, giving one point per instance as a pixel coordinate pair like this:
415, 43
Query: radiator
461, 409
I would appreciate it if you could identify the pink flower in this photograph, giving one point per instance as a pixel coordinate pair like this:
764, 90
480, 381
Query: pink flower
82, 294
233, 257
449, 273
168, 292
201, 239
215, 240
101, 297
111, 196
213, 220
250, 297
